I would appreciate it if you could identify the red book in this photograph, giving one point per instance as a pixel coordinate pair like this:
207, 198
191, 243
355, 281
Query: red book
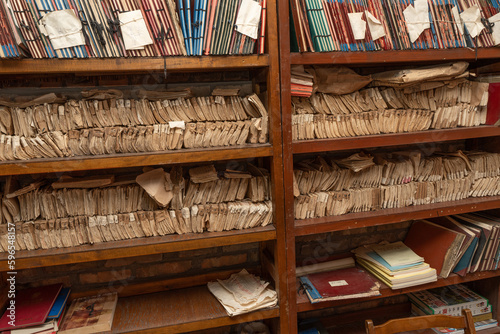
31, 307
340, 284
493, 115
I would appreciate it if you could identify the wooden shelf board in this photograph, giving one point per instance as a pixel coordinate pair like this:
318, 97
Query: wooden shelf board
177, 311
136, 247
132, 65
431, 136
304, 305
51, 165
389, 216
393, 56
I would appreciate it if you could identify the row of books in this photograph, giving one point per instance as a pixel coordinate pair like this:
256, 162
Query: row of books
451, 300
70, 197
88, 230
136, 28
323, 189
334, 25
44, 309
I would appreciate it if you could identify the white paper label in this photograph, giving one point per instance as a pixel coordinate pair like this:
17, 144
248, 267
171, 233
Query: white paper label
248, 18
63, 28
376, 28
358, 25
337, 283
134, 31
458, 20
177, 124
417, 19
496, 28
472, 19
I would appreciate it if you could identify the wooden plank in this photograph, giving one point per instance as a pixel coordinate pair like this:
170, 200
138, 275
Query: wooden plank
393, 57
389, 216
136, 247
177, 311
129, 65
52, 165
393, 139
304, 305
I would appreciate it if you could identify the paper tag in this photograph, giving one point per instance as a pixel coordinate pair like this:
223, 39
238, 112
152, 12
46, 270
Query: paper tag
337, 283
358, 25
177, 124
248, 18
376, 28
472, 19
417, 19
134, 30
458, 20
496, 28
63, 28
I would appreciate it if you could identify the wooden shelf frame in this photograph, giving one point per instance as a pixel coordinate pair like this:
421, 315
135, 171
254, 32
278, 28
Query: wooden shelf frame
57, 165
303, 304
93, 66
136, 247
393, 139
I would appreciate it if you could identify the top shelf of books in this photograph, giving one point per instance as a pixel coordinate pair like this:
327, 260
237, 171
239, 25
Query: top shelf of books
393, 56
131, 65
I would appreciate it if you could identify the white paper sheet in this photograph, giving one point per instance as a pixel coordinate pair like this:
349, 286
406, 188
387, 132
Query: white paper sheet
63, 28
458, 20
358, 25
417, 19
495, 19
248, 18
472, 19
134, 31
376, 28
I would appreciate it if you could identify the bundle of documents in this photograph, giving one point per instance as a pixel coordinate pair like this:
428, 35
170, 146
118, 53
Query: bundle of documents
50, 127
243, 293
135, 28
384, 25
302, 82
379, 110
326, 186
451, 300
395, 264
36, 310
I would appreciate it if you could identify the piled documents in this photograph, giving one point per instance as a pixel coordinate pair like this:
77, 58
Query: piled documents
327, 186
451, 300
395, 264
243, 293
302, 82
132, 28
348, 25
50, 127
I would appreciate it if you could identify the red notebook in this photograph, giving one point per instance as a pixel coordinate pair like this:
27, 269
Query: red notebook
493, 114
31, 306
340, 284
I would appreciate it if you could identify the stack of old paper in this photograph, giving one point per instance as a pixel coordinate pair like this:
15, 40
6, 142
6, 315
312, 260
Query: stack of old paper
243, 293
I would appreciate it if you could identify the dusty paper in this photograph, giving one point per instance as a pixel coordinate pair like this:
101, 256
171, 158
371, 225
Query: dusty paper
472, 19
376, 28
495, 20
134, 31
63, 28
358, 25
458, 20
417, 18
157, 184
338, 80
248, 18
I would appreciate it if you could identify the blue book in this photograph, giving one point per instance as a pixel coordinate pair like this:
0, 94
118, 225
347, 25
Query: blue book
463, 264
59, 304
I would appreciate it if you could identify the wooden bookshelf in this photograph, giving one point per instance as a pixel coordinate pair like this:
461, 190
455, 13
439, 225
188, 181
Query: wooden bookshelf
358, 58
304, 305
136, 247
389, 216
130, 65
54, 165
393, 139
173, 312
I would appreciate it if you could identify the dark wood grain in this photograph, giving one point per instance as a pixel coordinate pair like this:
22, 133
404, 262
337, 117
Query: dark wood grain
177, 311
393, 139
124, 65
53, 165
137, 247
393, 56
389, 216
303, 303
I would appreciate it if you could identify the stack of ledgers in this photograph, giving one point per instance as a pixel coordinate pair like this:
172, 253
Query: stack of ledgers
130, 28
379, 110
108, 126
54, 216
364, 183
